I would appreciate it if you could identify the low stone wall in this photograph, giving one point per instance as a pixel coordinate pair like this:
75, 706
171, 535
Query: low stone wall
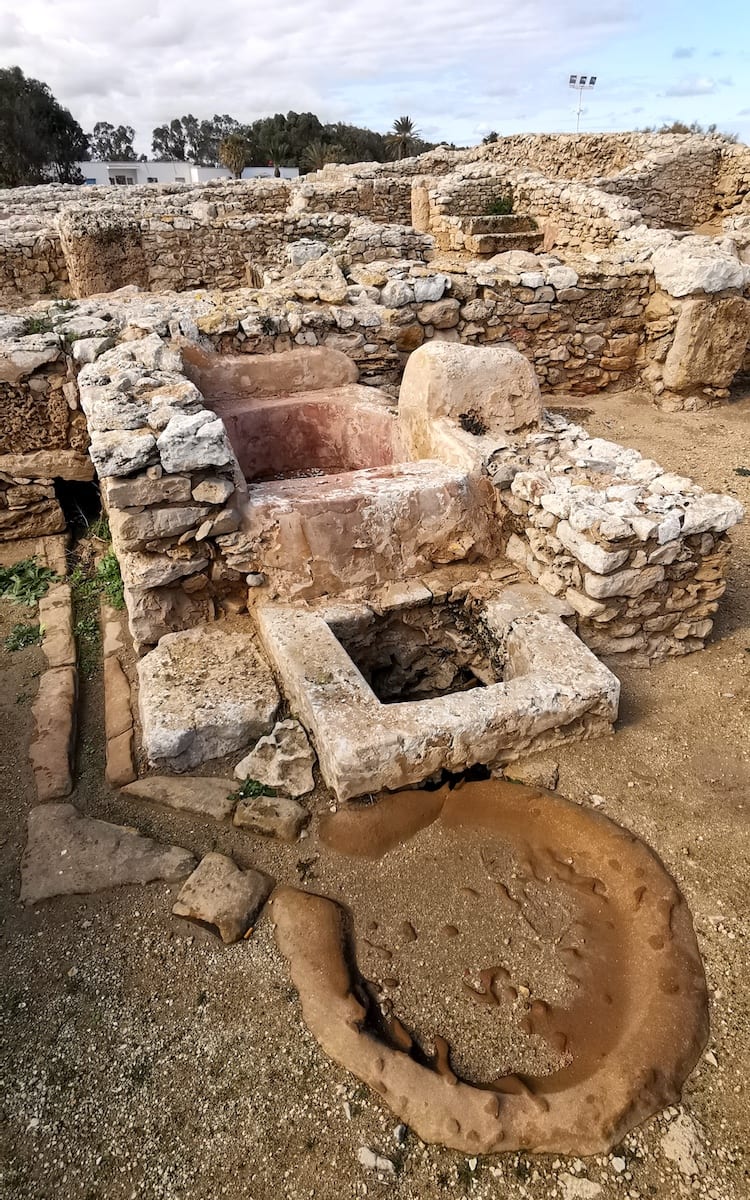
639, 554
32, 266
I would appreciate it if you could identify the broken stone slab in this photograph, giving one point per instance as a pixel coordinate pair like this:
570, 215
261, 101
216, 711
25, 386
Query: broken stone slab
284, 760
272, 816
204, 693
70, 854
27, 356
709, 343
219, 893
51, 751
203, 795
48, 464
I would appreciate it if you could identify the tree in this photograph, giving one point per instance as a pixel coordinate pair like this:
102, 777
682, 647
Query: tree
111, 143
39, 139
278, 153
317, 154
187, 139
234, 153
403, 138
168, 142
489, 138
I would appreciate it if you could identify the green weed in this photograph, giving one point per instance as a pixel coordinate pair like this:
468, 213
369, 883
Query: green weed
22, 636
250, 789
26, 581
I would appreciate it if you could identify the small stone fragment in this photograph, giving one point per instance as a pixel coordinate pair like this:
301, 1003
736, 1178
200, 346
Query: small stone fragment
219, 893
372, 1161
272, 816
284, 760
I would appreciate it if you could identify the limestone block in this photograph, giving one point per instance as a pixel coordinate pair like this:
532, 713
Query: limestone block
47, 464
430, 288
204, 693
441, 314
69, 854
709, 343
696, 265
56, 621
142, 490
593, 556
443, 379
51, 751
132, 529
191, 443
631, 582
203, 795
19, 360
272, 816
219, 893
321, 279
121, 452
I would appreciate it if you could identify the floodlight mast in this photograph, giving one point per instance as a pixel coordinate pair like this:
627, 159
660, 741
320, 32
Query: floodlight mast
581, 83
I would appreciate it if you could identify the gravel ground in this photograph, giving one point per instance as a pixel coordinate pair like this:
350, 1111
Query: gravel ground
140, 1058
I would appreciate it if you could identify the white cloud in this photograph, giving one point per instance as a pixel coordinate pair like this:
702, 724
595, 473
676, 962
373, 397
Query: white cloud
693, 85
142, 62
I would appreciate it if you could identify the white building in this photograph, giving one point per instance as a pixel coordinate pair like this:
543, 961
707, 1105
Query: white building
132, 173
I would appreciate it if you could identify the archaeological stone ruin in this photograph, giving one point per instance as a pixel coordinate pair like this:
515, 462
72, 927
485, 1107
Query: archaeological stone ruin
369, 554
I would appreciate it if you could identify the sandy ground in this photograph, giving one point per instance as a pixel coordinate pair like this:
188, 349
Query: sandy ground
140, 1058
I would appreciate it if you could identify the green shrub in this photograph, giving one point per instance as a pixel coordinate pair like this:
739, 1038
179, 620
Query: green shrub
501, 206
250, 789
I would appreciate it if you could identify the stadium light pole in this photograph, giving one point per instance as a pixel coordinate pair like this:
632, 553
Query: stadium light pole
581, 84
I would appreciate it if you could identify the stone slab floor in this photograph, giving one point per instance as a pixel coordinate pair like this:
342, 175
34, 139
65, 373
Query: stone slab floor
141, 1058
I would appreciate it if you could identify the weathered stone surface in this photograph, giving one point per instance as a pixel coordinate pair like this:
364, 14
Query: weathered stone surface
696, 265
51, 751
284, 760
552, 681
213, 491
143, 490
321, 279
304, 251
120, 768
132, 529
48, 464
204, 795
443, 314
144, 571
630, 582
272, 816
219, 893
56, 621
593, 556
28, 356
122, 452
709, 343
190, 443
118, 716
69, 854
204, 693
495, 384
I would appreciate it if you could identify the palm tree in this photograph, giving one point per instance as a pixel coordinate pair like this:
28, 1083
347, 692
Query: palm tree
234, 153
278, 152
403, 137
318, 153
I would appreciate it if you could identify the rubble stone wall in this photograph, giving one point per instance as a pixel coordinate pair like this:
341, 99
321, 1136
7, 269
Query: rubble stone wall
640, 554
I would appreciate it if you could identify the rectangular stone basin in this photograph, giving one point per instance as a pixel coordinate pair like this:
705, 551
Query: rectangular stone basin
549, 687
310, 433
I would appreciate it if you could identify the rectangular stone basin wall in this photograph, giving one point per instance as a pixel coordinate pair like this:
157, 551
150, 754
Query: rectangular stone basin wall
287, 437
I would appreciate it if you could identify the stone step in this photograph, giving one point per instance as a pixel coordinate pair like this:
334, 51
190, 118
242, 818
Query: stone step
506, 223
497, 243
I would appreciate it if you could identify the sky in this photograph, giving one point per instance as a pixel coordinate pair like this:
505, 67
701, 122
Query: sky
458, 68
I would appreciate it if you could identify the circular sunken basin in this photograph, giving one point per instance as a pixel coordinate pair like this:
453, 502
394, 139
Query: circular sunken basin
515, 971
